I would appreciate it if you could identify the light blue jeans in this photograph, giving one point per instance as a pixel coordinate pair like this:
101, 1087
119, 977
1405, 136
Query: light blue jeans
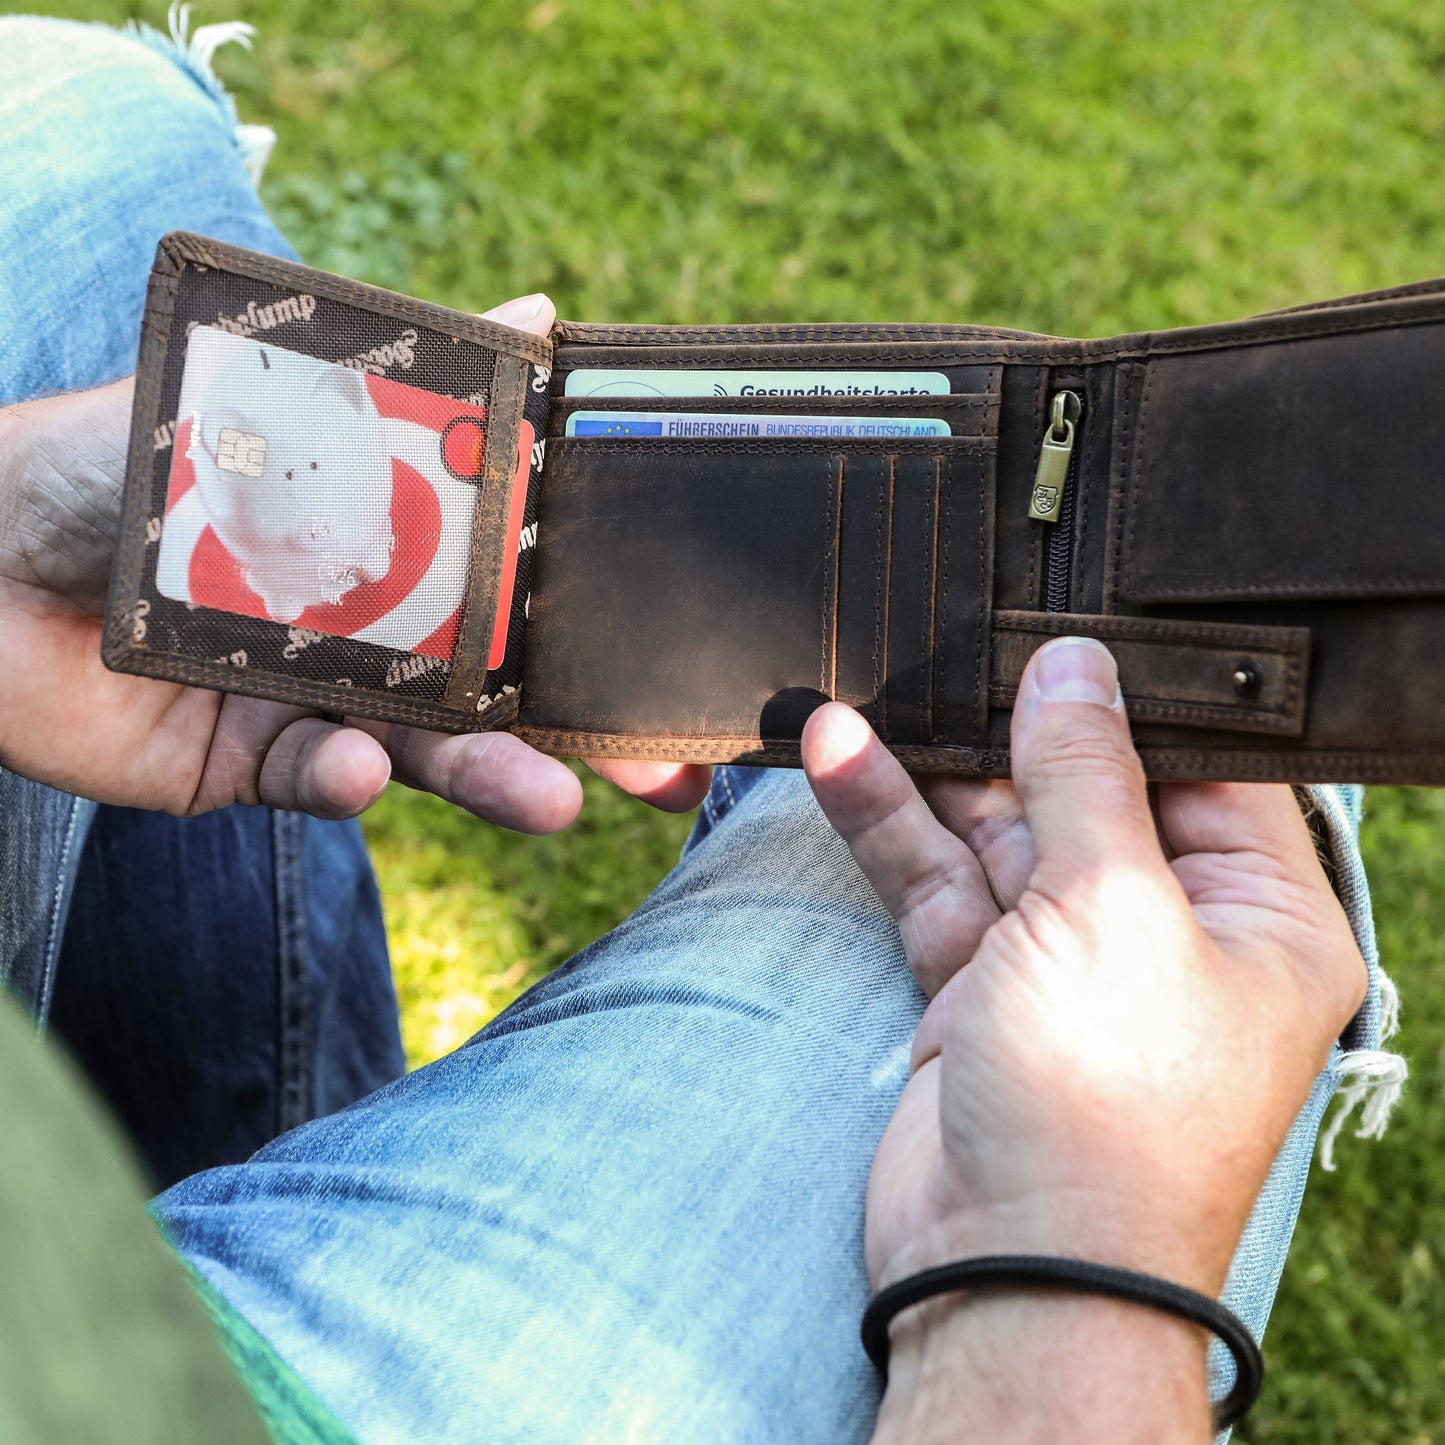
220, 978
631, 1208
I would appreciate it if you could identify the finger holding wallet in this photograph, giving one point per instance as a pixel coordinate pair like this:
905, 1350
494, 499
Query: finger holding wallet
67, 721
1129, 1005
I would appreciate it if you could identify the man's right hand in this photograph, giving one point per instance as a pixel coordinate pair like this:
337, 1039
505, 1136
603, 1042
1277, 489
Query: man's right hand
66, 720
1129, 1008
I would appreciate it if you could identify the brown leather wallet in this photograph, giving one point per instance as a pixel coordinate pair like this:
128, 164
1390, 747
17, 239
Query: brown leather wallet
344, 498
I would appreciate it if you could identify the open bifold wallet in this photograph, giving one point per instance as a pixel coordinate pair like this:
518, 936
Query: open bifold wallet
674, 542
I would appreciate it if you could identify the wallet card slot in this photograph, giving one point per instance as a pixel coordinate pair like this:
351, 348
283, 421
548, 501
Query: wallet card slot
690, 591
914, 574
965, 415
964, 377
915, 487
964, 592
683, 590
864, 542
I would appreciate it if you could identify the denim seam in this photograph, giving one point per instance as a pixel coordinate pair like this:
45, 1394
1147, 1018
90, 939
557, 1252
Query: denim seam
58, 908
293, 1062
710, 808
1367, 1076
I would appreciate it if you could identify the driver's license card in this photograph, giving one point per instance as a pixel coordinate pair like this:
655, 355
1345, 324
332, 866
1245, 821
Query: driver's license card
620, 425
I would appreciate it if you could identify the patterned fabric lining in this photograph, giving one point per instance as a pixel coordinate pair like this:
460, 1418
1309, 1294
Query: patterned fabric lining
315, 483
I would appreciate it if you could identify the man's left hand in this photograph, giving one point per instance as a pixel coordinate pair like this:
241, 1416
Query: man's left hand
67, 721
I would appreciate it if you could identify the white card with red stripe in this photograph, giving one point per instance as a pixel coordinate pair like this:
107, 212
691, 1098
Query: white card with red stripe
326, 498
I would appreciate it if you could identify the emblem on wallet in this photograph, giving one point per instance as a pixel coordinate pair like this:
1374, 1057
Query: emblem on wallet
1046, 501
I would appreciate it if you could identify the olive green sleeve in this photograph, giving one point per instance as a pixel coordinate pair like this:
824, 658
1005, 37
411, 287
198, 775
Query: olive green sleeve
102, 1336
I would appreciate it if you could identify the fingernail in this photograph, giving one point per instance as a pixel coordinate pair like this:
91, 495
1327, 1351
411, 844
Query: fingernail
1077, 669
519, 313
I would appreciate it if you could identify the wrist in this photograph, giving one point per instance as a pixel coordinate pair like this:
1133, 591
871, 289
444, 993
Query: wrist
62, 460
1075, 1224
1022, 1365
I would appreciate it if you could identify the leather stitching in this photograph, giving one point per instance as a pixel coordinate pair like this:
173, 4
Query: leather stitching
1124, 428
1136, 499
877, 697
1289, 646
959, 401
885, 572
1133, 502
1406, 585
1294, 765
301, 691
945, 483
931, 615
505, 400
836, 532
1025, 348
1083, 506
925, 617
980, 718
1034, 588
1154, 629
182, 246
777, 446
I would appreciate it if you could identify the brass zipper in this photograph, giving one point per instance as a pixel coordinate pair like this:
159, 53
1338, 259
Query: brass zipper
1053, 497
1055, 457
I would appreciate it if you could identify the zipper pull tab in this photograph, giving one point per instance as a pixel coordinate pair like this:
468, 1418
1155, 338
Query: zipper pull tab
1058, 450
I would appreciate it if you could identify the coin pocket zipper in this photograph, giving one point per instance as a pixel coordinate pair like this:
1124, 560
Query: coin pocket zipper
1052, 498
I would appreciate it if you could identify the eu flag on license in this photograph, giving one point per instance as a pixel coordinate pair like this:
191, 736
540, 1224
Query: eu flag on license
618, 428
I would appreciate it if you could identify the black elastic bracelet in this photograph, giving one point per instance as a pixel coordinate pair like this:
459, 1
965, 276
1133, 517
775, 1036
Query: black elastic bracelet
1085, 1278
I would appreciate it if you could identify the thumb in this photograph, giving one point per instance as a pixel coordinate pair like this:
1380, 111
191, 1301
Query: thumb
534, 313
1074, 763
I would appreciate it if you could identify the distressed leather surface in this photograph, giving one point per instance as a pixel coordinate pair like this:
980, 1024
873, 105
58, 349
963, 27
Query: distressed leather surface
1255, 526
1258, 532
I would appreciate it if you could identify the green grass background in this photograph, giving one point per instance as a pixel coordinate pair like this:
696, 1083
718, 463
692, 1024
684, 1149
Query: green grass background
1081, 169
